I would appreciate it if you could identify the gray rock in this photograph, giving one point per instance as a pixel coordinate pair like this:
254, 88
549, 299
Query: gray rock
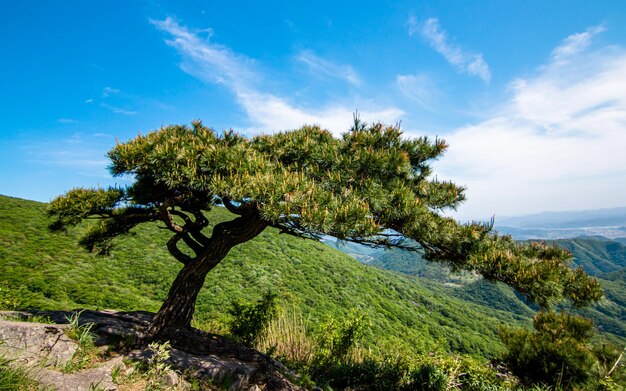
35, 343
206, 356
98, 378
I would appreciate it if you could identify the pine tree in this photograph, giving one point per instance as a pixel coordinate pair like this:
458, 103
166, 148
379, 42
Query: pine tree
371, 186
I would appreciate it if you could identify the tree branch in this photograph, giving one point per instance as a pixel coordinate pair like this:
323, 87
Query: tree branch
176, 253
195, 246
168, 220
238, 210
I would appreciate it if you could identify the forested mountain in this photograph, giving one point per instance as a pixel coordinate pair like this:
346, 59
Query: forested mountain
49, 271
600, 257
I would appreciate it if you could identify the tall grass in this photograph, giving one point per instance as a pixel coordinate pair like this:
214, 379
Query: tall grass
289, 337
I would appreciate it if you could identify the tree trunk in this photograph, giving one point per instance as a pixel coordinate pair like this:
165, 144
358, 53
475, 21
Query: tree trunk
179, 306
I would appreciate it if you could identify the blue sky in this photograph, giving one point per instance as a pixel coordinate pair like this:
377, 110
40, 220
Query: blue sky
531, 96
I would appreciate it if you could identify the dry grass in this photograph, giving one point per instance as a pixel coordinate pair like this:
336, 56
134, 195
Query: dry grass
288, 337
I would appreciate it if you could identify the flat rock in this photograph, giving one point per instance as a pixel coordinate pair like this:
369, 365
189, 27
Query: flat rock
98, 378
35, 343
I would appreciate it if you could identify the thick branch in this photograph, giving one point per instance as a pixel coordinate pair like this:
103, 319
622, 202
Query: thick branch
195, 246
199, 237
169, 220
238, 210
182, 215
176, 253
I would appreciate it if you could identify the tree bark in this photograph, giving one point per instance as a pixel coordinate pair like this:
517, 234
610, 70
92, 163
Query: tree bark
179, 306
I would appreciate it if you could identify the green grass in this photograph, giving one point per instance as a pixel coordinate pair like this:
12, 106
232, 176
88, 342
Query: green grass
50, 271
15, 378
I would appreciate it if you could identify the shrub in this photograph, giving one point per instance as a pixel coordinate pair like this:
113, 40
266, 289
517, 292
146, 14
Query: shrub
429, 377
250, 320
337, 339
556, 353
86, 353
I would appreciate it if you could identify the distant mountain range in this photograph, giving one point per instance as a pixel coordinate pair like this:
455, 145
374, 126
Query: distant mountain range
609, 223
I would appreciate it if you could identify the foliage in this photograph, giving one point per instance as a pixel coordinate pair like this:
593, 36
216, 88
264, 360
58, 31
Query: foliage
405, 372
14, 298
336, 339
157, 365
250, 320
600, 257
556, 353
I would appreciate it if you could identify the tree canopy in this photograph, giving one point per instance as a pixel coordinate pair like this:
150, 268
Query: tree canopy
371, 186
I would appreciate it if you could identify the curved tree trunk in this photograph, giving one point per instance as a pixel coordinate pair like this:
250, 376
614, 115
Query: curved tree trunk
178, 308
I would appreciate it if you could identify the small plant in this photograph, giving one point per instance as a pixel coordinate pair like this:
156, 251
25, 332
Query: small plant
288, 338
86, 353
429, 377
250, 320
157, 365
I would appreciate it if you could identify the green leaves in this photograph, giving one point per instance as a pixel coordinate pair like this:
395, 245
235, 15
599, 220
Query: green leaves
80, 203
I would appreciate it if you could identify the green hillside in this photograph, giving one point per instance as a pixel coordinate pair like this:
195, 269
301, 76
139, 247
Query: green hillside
600, 257
50, 271
596, 255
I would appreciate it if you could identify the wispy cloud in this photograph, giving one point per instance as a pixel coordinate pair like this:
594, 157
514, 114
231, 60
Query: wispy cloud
465, 61
214, 63
108, 91
557, 143
67, 121
76, 151
419, 88
328, 68
117, 110
575, 43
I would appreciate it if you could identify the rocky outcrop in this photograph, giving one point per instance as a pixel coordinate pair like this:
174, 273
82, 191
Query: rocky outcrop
35, 343
208, 357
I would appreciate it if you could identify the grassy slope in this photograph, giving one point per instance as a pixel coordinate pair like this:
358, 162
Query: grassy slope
51, 271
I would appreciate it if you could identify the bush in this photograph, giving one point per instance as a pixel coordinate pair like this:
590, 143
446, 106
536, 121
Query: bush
337, 339
429, 377
556, 353
250, 320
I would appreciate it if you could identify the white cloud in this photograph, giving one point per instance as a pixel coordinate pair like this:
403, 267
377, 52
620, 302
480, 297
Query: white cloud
117, 110
67, 121
321, 65
575, 43
557, 143
419, 87
76, 151
108, 91
214, 63
468, 62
